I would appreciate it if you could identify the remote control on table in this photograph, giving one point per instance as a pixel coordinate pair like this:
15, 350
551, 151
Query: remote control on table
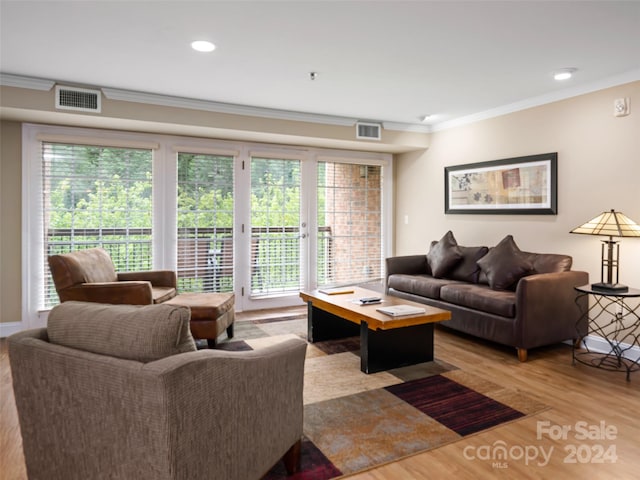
370, 300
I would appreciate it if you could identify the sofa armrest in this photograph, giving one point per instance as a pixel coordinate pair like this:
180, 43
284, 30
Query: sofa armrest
255, 397
158, 278
546, 308
407, 264
131, 293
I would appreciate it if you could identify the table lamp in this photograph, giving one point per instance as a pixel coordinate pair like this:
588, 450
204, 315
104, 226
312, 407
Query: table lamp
610, 224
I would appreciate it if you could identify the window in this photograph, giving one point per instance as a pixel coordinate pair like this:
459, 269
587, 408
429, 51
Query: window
94, 196
261, 221
349, 223
205, 223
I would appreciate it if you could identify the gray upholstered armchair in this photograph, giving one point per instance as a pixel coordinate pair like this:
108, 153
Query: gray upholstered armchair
119, 391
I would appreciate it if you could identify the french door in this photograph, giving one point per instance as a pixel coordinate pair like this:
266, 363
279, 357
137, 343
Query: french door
310, 221
269, 223
275, 238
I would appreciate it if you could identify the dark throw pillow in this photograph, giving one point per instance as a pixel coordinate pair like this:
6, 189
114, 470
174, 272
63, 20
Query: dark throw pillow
444, 255
505, 264
468, 269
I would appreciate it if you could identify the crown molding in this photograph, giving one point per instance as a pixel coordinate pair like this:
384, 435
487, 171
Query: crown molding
10, 80
556, 96
210, 106
236, 109
219, 107
406, 127
20, 81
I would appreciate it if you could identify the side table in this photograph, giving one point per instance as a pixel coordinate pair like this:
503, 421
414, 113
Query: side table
616, 319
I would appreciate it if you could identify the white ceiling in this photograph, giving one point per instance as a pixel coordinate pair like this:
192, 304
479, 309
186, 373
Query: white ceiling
389, 61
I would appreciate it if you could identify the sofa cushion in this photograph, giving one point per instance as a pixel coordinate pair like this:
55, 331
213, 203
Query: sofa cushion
444, 255
423, 285
551, 262
92, 265
481, 297
468, 269
162, 294
96, 264
133, 332
505, 264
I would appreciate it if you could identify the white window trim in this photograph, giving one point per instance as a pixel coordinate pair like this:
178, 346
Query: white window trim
165, 148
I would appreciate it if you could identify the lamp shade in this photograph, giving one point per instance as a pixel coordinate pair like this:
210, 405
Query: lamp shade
610, 224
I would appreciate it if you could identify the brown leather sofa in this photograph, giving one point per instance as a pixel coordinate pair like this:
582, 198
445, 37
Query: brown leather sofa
501, 294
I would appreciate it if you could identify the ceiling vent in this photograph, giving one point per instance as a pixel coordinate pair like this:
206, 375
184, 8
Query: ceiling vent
79, 99
368, 131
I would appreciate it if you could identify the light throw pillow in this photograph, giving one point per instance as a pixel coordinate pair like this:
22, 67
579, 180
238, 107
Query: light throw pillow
444, 255
505, 264
134, 332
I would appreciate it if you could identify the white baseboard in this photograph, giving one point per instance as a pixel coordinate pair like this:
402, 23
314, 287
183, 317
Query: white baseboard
9, 328
601, 345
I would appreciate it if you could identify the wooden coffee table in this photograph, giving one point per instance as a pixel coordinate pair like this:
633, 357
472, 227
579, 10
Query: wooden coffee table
385, 342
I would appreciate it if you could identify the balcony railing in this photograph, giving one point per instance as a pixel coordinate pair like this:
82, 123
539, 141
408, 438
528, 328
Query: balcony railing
205, 260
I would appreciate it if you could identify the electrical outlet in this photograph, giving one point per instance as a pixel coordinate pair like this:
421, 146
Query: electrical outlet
621, 107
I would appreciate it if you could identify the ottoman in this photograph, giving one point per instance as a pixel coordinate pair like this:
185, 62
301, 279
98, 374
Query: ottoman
211, 313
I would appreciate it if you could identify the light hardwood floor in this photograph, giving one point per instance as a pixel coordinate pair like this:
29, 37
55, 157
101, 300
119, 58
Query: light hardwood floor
582, 401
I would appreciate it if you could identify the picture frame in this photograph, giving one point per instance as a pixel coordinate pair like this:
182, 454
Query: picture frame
520, 185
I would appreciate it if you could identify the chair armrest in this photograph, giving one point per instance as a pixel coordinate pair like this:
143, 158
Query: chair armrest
37, 333
254, 397
131, 293
158, 278
546, 308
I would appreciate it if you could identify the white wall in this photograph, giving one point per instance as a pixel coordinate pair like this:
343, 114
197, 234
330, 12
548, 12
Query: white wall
598, 169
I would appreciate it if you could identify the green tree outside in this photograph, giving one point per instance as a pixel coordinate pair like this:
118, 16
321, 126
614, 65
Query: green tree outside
96, 188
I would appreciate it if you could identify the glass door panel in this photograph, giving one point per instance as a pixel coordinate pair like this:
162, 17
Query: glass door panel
275, 231
349, 217
205, 214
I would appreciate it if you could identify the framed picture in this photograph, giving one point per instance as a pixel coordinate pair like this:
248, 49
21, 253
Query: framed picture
521, 185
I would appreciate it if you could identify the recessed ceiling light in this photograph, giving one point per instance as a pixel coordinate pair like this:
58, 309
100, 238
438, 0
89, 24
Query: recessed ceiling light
203, 46
426, 118
564, 73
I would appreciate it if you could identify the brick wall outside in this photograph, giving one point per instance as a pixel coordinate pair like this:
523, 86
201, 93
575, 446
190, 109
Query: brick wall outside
353, 212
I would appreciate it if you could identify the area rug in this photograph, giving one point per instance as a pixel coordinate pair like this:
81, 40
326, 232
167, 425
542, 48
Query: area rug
354, 421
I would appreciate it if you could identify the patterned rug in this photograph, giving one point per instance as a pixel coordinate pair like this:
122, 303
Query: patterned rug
354, 421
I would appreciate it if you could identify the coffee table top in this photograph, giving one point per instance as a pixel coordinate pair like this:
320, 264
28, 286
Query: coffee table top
344, 305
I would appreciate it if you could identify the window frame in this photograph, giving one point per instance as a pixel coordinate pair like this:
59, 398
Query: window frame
61, 160
165, 153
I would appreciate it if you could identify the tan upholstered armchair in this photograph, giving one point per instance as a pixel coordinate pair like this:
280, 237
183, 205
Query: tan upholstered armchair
90, 276
119, 391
